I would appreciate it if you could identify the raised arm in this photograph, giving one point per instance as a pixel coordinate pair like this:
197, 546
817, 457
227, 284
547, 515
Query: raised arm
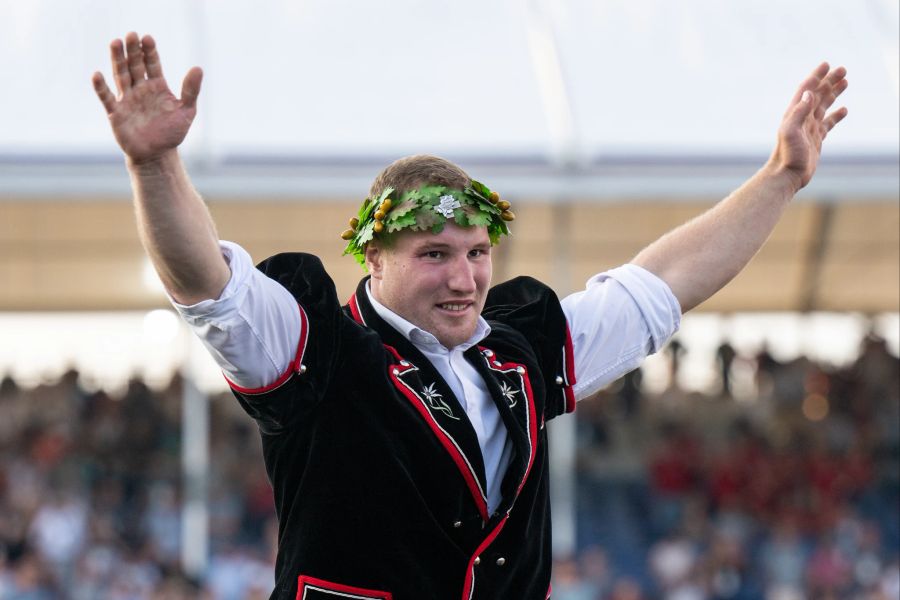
149, 123
698, 258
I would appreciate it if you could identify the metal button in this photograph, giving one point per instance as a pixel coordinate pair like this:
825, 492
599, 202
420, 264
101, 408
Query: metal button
520, 370
396, 371
404, 363
496, 363
559, 380
457, 524
501, 561
302, 369
477, 561
488, 353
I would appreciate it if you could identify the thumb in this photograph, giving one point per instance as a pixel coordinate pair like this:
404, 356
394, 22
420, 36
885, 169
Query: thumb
190, 87
801, 110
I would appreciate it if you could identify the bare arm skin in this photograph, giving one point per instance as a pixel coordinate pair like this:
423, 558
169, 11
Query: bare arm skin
698, 258
149, 123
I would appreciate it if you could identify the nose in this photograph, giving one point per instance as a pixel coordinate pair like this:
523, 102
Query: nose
461, 276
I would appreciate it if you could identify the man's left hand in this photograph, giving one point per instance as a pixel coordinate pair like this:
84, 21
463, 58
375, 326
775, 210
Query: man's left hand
805, 123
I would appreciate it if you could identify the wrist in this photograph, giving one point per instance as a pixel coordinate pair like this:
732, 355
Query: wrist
783, 177
153, 164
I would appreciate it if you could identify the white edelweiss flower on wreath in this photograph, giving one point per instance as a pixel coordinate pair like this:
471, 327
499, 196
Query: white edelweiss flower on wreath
434, 399
509, 392
448, 203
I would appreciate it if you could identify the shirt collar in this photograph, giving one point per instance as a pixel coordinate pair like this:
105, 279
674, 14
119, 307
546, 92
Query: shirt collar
418, 336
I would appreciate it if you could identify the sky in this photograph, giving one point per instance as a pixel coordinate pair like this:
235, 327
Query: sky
555, 79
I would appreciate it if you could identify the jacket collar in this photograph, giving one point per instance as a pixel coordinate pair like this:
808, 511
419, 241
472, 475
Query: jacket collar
507, 382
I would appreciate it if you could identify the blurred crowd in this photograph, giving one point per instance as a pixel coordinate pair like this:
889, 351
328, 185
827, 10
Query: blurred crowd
789, 491
91, 497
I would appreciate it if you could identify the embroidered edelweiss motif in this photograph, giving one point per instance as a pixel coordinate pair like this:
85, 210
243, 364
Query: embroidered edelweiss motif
448, 203
509, 393
433, 397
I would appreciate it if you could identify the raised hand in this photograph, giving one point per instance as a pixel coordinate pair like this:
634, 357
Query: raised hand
805, 123
146, 117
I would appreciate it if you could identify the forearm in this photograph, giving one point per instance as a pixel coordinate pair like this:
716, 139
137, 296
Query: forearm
177, 230
698, 258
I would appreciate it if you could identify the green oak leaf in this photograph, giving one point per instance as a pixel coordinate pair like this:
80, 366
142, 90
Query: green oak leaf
402, 209
480, 218
433, 190
427, 218
365, 235
397, 223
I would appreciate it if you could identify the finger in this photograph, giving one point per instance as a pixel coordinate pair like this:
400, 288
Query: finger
827, 94
810, 83
832, 80
103, 92
834, 76
190, 87
830, 92
135, 58
151, 58
121, 74
835, 117
800, 111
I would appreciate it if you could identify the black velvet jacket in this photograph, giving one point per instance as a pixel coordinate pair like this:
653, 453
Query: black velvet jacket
377, 473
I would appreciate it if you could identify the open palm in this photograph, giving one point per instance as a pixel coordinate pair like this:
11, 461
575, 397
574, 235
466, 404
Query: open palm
146, 117
806, 123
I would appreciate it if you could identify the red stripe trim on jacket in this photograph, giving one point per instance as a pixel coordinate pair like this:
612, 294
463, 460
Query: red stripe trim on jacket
569, 366
532, 430
469, 587
293, 367
393, 351
529, 394
304, 581
354, 310
444, 438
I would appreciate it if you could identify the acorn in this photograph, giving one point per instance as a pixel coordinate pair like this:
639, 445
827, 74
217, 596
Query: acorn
379, 215
494, 197
508, 215
354, 223
386, 205
378, 226
348, 234
503, 205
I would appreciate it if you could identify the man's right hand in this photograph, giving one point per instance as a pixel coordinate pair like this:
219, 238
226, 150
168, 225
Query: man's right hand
146, 117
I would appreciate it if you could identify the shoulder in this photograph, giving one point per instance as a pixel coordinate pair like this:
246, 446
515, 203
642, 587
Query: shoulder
521, 298
302, 274
528, 308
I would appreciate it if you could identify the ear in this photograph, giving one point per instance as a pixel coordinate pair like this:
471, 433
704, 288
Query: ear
374, 256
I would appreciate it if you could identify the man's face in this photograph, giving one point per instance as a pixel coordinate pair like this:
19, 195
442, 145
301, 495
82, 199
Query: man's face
436, 282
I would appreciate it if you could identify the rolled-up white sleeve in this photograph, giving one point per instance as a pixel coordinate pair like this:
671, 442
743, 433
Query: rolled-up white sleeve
252, 329
622, 316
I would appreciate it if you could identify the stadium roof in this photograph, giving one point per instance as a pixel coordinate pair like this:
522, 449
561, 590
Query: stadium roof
634, 112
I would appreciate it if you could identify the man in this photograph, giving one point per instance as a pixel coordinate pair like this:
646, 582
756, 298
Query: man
404, 432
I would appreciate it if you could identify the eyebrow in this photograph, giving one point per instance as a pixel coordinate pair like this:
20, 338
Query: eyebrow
429, 245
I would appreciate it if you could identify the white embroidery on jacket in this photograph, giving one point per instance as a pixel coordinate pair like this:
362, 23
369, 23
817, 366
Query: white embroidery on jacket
435, 401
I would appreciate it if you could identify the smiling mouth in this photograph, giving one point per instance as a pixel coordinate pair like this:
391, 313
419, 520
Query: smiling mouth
454, 307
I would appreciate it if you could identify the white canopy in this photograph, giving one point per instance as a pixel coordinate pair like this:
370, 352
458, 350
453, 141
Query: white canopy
569, 81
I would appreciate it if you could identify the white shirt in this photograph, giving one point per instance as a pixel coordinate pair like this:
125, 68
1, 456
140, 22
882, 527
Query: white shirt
620, 317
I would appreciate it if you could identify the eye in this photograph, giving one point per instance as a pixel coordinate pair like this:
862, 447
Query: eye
434, 254
476, 252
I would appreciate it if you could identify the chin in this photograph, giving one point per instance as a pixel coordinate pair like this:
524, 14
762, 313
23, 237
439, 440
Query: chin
455, 339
